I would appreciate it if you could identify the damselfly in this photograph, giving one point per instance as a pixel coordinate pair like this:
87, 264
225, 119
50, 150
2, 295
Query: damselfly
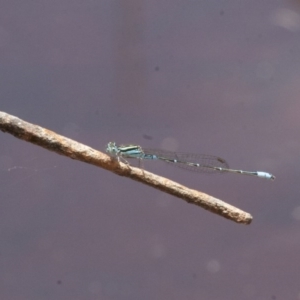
193, 162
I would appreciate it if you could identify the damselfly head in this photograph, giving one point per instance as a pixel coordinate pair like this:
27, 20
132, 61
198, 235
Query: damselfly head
111, 148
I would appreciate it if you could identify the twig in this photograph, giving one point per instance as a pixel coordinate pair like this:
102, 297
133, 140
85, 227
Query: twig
67, 147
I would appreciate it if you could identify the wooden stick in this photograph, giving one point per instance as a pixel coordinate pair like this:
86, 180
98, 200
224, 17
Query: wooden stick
70, 148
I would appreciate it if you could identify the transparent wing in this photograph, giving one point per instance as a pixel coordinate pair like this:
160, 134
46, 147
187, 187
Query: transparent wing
193, 162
